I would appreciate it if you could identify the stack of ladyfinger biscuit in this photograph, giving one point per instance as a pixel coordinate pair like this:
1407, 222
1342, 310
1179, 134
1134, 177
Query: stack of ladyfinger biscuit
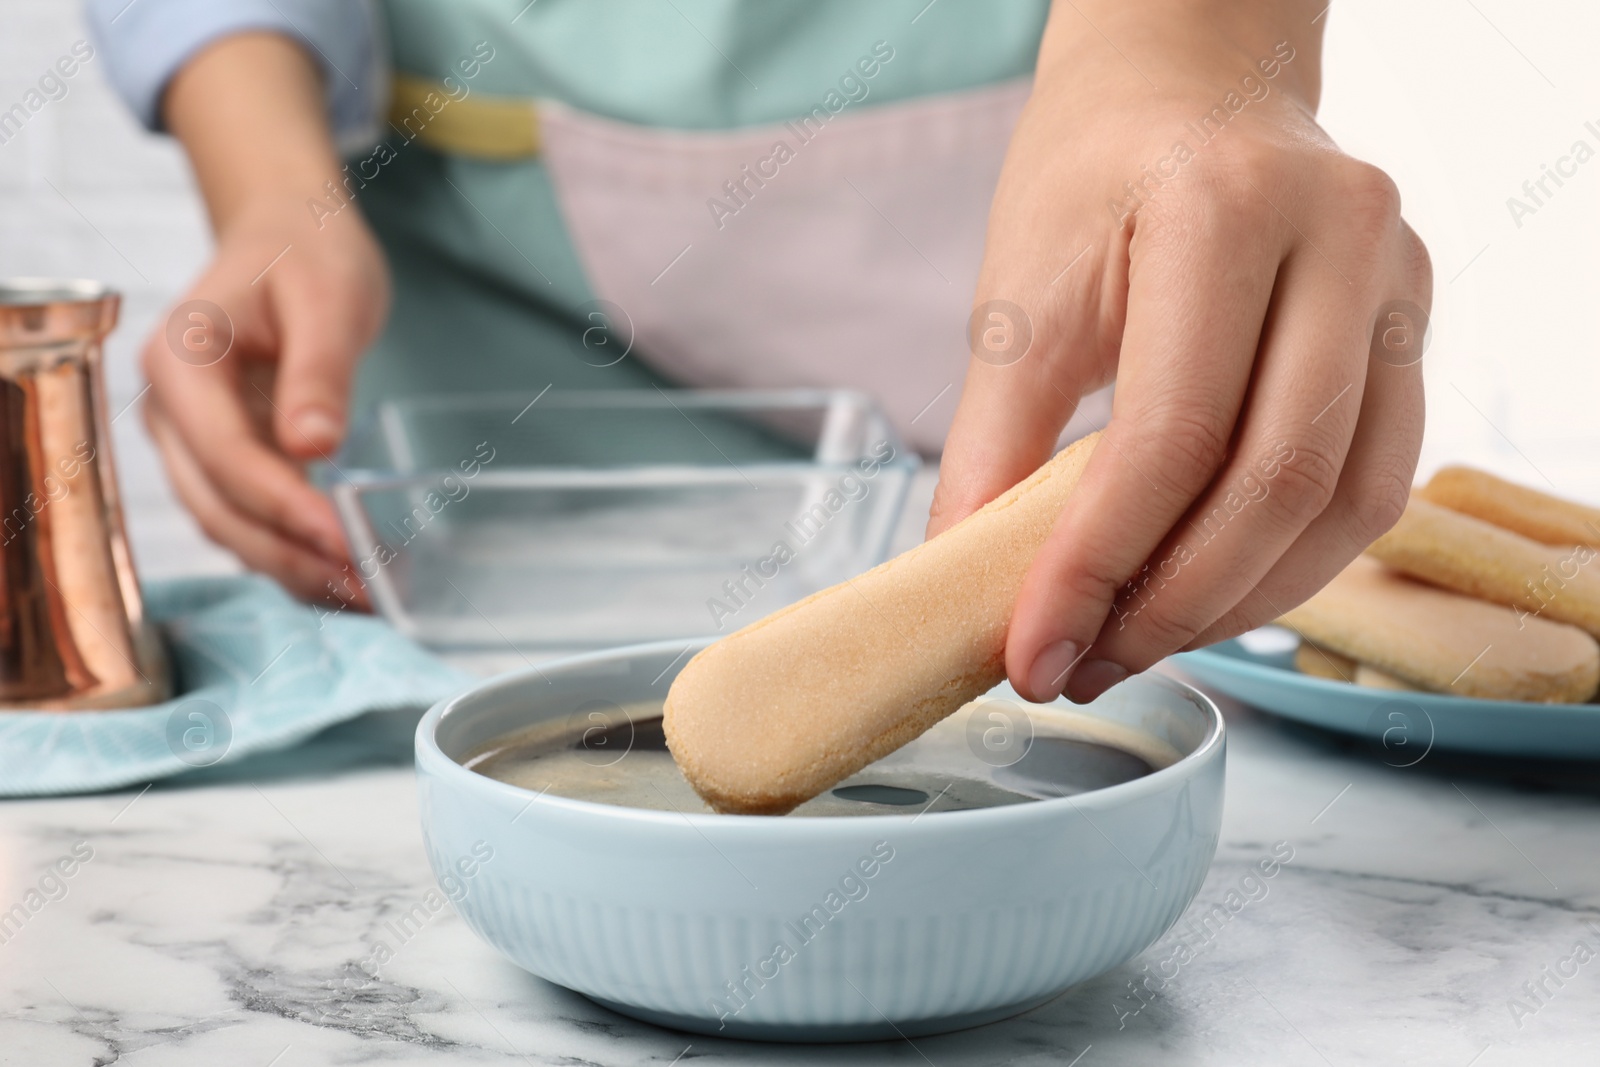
1483, 588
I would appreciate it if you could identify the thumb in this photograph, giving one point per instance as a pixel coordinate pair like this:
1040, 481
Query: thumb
322, 346
1014, 405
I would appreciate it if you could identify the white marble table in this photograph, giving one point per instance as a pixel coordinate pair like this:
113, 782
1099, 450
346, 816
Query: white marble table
218, 914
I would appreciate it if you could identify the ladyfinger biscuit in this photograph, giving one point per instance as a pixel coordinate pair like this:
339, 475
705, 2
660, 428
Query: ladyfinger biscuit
1373, 678
1544, 518
1321, 662
1446, 642
781, 710
1480, 559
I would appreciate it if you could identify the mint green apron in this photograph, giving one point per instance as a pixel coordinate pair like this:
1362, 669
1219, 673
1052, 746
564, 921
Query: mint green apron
845, 257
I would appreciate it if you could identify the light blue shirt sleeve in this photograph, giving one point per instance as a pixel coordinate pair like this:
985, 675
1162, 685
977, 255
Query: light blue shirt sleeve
145, 42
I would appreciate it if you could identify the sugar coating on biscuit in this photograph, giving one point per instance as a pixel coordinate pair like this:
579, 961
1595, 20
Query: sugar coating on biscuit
787, 707
1443, 641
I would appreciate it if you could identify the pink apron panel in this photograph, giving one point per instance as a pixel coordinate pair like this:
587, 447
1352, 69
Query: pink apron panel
850, 263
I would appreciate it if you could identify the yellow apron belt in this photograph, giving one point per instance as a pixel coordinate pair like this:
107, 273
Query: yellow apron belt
484, 127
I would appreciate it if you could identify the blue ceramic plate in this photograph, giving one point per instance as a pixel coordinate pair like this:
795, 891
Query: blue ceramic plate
1258, 669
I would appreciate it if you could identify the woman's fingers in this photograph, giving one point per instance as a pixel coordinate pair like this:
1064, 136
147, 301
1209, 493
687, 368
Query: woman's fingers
1372, 492
1375, 481
1199, 284
305, 573
1291, 443
204, 408
325, 331
1036, 350
1005, 427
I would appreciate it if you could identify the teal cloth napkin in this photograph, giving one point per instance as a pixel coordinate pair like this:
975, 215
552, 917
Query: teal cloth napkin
255, 671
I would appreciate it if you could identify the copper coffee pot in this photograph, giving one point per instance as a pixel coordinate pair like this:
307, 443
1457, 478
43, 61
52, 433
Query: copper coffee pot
72, 627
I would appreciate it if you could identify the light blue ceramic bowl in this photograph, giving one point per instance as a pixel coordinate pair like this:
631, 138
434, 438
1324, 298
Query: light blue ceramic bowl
813, 929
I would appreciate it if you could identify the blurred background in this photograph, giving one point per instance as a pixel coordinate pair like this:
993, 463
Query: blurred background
1462, 101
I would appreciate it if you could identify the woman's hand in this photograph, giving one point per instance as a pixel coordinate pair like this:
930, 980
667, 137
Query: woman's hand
250, 375
237, 429
1171, 217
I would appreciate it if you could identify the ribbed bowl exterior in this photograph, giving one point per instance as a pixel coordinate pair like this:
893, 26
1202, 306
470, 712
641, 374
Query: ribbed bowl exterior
824, 929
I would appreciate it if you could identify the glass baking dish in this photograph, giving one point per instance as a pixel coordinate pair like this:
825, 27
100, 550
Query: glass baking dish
580, 519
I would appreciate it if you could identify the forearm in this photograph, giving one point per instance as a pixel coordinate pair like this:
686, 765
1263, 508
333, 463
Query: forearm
1145, 44
249, 111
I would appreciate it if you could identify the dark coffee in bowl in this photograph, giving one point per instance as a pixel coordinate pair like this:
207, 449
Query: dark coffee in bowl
991, 753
